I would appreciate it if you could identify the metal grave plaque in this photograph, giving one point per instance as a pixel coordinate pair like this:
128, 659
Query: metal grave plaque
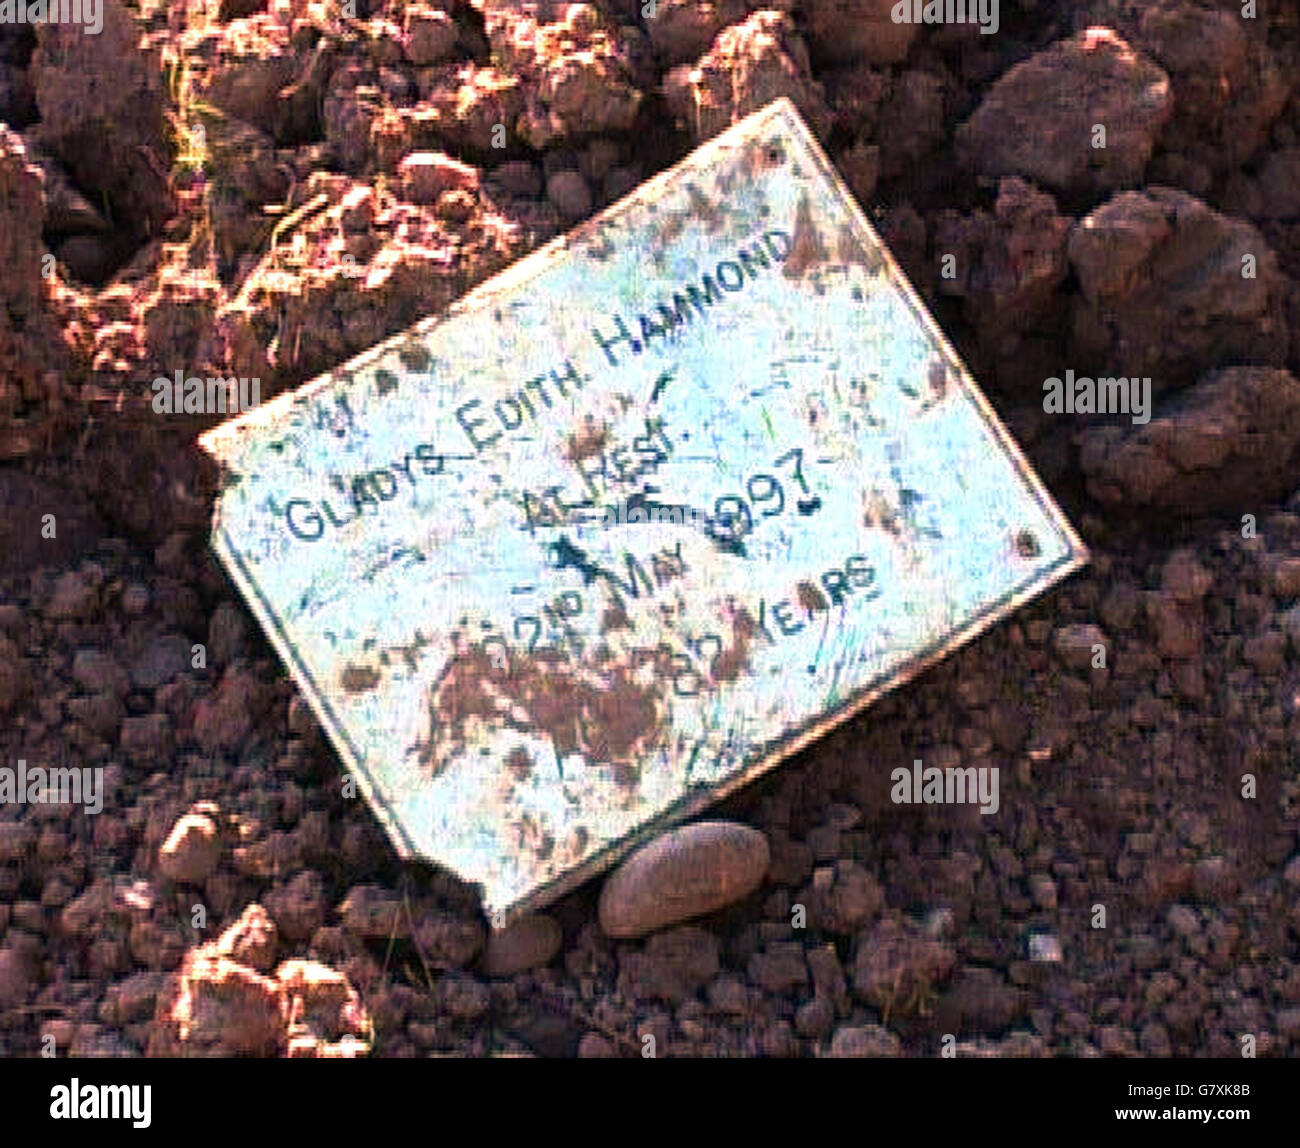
633, 521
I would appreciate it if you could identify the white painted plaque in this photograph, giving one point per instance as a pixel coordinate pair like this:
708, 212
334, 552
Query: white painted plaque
633, 521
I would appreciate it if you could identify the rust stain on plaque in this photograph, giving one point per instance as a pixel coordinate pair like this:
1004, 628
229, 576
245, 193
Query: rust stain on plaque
705, 210
607, 716
519, 763
589, 441
811, 598
358, 679
806, 250
734, 660
851, 249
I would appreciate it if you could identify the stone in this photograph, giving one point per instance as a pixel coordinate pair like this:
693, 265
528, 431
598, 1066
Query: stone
685, 873
673, 966
569, 194
448, 942
858, 31
425, 175
1279, 184
299, 907
1231, 441
193, 847
161, 659
813, 1019
527, 944
868, 1040
1284, 577
780, 968
893, 967
98, 672
250, 940
1163, 292
1183, 577
222, 1008
74, 597
1037, 119
850, 900
681, 30
748, 66
1074, 645
373, 913
430, 35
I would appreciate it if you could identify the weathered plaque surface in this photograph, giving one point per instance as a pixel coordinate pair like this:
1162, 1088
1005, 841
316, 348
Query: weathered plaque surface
633, 521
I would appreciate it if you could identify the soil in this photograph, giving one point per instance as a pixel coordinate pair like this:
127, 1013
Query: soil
264, 188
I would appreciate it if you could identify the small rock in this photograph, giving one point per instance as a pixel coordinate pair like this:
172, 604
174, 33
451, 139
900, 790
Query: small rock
1043, 891
193, 847
448, 942
132, 999
17, 968
135, 599
227, 634
748, 65
979, 999
250, 940
98, 672
685, 873
893, 967
462, 997
430, 35
852, 898
527, 944
594, 1046
569, 194
1289, 621
373, 913
1284, 577
1279, 184
681, 30
223, 721
1163, 293
425, 175
520, 178
828, 975
729, 995
842, 816
1184, 578
1230, 441
868, 1040
1038, 117
780, 968
145, 737
299, 907
163, 658
219, 1008
858, 31
938, 923
1074, 645
1291, 874
74, 597
673, 966
813, 1019
1266, 651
